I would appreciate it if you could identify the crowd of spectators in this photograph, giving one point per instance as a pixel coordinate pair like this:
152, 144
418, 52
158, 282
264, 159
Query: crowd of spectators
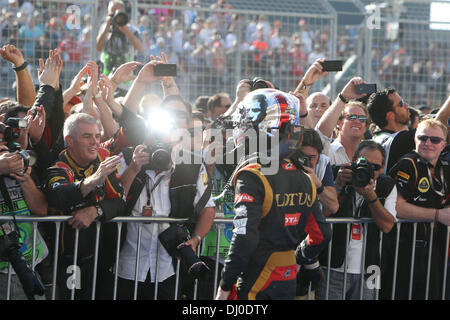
209, 46
94, 143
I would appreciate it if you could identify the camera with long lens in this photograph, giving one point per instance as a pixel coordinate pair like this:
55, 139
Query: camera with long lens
10, 243
120, 18
160, 156
257, 83
173, 240
363, 171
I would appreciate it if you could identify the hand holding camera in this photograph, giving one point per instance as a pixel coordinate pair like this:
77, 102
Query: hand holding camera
344, 175
140, 158
360, 174
10, 162
350, 92
175, 240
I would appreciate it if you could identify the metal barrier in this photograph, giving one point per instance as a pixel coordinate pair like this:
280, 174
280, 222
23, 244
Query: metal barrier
364, 222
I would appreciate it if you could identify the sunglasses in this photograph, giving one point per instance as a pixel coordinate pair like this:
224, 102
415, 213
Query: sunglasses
401, 104
434, 140
353, 117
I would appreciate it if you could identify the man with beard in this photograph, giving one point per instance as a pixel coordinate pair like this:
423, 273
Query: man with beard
391, 114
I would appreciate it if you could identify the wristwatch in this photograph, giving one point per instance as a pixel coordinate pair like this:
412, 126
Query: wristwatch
343, 99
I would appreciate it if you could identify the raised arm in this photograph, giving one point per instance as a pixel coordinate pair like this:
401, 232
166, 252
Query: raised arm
25, 86
444, 112
329, 120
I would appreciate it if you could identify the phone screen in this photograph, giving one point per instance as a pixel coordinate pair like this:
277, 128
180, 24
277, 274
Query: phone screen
332, 65
366, 88
165, 70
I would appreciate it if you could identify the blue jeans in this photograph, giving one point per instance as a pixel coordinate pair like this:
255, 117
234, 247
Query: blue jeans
336, 286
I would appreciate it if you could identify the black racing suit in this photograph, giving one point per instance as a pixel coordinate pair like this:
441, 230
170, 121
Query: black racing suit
422, 185
272, 214
64, 197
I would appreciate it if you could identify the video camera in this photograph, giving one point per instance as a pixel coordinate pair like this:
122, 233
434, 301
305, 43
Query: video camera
11, 132
10, 243
173, 240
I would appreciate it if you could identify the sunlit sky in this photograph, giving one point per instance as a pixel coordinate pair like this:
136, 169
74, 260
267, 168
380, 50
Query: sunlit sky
439, 12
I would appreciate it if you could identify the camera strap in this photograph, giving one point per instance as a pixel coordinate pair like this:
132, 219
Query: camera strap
147, 187
7, 199
5, 194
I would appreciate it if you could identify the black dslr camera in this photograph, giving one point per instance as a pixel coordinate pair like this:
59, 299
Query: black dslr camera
120, 18
363, 171
160, 156
10, 243
173, 240
257, 83
10, 133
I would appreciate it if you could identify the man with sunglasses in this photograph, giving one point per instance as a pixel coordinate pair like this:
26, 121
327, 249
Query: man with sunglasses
423, 178
376, 200
350, 117
391, 114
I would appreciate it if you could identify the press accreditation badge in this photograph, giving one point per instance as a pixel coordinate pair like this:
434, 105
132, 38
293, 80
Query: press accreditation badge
147, 211
356, 231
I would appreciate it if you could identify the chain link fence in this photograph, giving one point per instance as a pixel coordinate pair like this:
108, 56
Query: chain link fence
217, 43
45, 25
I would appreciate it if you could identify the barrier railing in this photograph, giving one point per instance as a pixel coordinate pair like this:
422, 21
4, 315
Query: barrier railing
363, 222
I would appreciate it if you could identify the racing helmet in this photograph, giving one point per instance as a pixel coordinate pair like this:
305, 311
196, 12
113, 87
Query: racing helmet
268, 111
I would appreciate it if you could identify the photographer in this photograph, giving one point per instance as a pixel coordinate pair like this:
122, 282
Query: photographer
162, 189
84, 183
115, 37
20, 197
363, 193
319, 169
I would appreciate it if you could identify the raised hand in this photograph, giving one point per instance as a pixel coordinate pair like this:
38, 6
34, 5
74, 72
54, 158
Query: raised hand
48, 73
11, 54
124, 73
147, 75
106, 167
36, 124
314, 72
349, 91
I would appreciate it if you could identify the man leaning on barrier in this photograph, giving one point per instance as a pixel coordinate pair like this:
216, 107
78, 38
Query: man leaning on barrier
423, 179
19, 197
363, 192
84, 183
